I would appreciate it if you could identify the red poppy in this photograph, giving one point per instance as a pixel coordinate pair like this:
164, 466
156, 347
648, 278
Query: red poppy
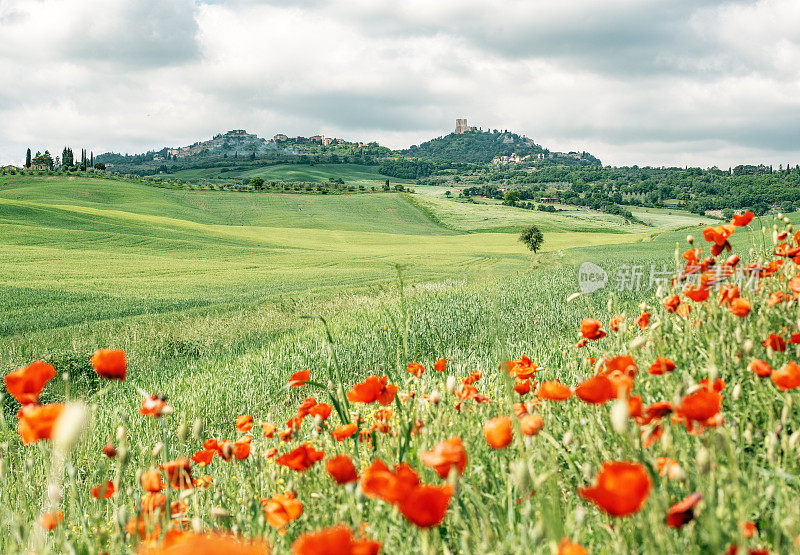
530, 424
523, 368
151, 480
268, 428
426, 506
741, 220
643, 320
155, 406
35, 422
343, 432
727, 294
775, 342
204, 456
523, 387
697, 293
622, 363
596, 390
591, 329
749, 529
787, 377
740, 307
241, 447
337, 540
299, 379
244, 423
415, 369
682, 512
568, 547
662, 365
498, 432
776, 297
668, 467
760, 368
615, 322
179, 473
650, 436
25, 384
718, 235
700, 405
105, 491
49, 521
378, 482
553, 391
321, 410
441, 365
671, 303
181, 542
446, 455
110, 363
621, 488
373, 389
341, 469
281, 509
301, 458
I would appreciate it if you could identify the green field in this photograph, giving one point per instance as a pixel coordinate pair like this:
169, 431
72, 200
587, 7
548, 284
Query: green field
207, 292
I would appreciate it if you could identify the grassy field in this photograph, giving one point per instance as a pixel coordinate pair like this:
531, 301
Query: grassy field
206, 293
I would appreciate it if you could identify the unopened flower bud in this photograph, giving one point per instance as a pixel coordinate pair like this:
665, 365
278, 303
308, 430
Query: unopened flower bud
619, 416
435, 397
567, 439
703, 460
120, 434
737, 392
157, 449
793, 439
182, 432
747, 346
451, 385
54, 494
690, 239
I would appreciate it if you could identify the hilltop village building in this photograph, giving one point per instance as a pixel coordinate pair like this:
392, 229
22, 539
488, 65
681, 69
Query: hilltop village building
462, 126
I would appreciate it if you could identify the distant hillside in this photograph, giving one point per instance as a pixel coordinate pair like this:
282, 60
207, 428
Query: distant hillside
482, 147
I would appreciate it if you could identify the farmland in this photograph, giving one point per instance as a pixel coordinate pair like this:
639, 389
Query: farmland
206, 292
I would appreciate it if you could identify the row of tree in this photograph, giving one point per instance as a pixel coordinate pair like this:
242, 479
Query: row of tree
65, 161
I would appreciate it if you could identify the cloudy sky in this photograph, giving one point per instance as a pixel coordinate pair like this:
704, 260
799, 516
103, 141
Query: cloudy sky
695, 82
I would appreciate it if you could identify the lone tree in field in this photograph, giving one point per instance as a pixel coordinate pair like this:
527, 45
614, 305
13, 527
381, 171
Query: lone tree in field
532, 237
28, 159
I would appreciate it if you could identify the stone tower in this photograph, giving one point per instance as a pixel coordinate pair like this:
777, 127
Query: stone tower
461, 126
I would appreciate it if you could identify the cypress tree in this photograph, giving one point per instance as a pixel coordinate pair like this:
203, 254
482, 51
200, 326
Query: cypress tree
28, 159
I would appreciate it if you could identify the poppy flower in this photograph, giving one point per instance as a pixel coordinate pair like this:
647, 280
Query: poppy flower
337, 540
241, 447
656, 411
343, 432
179, 473
109, 451
718, 235
270, 453
662, 365
741, 220
671, 303
591, 329
697, 293
727, 294
523, 388
105, 491
776, 297
155, 406
700, 406
341, 469
622, 363
415, 369
634, 406
49, 521
151, 481
441, 365
321, 411
775, 342
523, 368
621, 488
643, 320
682, 512
378, 482
683, 310
25, 384
650, 436
740, 307
498, 432
596, 390
110, 363
530, 424
446, 455
181, 542
36, 422
568, 547
426, 505
615, 322
787, 377
301, 458
668, 467
244, 423
299, 379
794, 285
749, 529
373, 389
268, 428
553, 391
281, 509
760, 368
203, 457
203, 482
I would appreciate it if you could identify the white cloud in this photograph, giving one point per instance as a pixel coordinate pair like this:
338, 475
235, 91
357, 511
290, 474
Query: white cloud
662, 82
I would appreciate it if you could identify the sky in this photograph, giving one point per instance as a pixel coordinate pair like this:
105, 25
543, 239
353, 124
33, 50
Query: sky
648, 82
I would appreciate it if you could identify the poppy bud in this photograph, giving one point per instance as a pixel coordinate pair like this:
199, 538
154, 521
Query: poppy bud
123, 456
120, 434
109, 451
793, 439
666, 440
54, 494
703, 460
660, 290
747, 346
772, 446
157, 449
451, 384
567, 439
690, 239
182, 432
737, 392
69, 426
580, 515
619, 415
227, 451
775, 235
197, 430
748, 434
637, 342
435, 397
787, 407
788, 227
610, 304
